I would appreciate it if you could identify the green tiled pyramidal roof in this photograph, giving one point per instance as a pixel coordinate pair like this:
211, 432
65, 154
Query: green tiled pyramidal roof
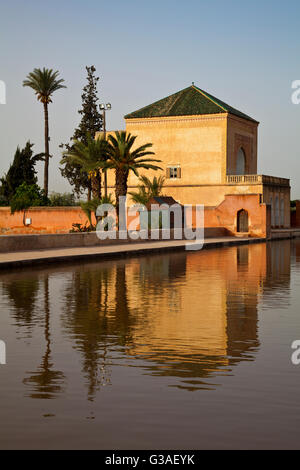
191, 101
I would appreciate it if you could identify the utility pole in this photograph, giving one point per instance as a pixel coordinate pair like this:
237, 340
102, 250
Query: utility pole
104, 108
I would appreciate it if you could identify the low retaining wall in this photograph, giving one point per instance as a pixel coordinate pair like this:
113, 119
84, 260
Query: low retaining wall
13, 243
218, 221
225, 214
277, 234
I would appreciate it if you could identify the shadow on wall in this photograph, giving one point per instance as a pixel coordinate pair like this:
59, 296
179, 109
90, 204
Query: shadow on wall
241, 214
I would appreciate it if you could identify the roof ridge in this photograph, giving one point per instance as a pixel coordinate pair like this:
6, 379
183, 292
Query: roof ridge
188, 101
161, 99
209, 97
178, 97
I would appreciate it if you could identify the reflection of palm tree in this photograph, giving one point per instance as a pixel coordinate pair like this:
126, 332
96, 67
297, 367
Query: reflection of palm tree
86, 321
22, 293
46, 383
96, 319
122, 312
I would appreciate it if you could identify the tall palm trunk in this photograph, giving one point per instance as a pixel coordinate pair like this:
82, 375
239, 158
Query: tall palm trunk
89, 197
46, 167
121, 190
96, 185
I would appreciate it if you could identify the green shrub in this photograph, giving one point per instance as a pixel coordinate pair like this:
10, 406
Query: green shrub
62, 200
26, 196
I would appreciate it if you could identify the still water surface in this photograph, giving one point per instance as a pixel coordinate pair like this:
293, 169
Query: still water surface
187, 350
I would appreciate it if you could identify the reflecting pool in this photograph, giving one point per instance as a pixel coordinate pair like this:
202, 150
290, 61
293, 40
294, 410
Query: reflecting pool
184, 350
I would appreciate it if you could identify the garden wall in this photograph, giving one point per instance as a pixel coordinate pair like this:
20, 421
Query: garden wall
225, 215
44, 220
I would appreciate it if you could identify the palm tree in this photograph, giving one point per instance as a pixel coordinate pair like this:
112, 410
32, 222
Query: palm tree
91, 156
123, 159
141, 196
44, 83
148, 189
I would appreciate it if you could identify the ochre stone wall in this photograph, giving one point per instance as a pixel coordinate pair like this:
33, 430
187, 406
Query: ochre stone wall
241, 134
225, 215
209, 195
60, 219
197, 143
270, 193
44, 220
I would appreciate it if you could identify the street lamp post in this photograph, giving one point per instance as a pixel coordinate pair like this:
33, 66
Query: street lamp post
104, 108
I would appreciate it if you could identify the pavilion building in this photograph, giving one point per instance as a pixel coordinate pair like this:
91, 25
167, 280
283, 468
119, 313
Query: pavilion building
208, 153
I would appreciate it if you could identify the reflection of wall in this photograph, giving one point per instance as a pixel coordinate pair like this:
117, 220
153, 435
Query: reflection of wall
278, 261
202, 315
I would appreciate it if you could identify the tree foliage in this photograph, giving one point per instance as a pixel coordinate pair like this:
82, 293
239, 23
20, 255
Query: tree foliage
90, 156
44, 83
91, 122
147, 189
22, 170
62, 199
26, 196
123, 157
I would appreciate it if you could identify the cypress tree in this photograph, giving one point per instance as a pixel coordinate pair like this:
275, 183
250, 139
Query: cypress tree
91, 122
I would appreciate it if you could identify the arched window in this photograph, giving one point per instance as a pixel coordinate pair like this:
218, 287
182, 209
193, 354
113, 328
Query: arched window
240, 162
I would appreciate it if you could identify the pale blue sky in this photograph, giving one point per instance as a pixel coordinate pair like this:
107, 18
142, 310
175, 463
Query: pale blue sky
245, 53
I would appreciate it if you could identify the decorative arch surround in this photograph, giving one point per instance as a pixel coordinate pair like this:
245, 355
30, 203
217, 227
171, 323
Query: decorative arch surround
246, 143
240, 168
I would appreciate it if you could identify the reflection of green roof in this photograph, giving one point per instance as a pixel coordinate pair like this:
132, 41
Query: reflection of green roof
188, 102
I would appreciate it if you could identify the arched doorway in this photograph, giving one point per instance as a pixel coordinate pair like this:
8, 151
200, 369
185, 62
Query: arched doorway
240, 162
242, 221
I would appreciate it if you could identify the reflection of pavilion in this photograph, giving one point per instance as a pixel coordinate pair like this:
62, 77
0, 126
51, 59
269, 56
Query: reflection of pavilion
213, 322
186, 315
